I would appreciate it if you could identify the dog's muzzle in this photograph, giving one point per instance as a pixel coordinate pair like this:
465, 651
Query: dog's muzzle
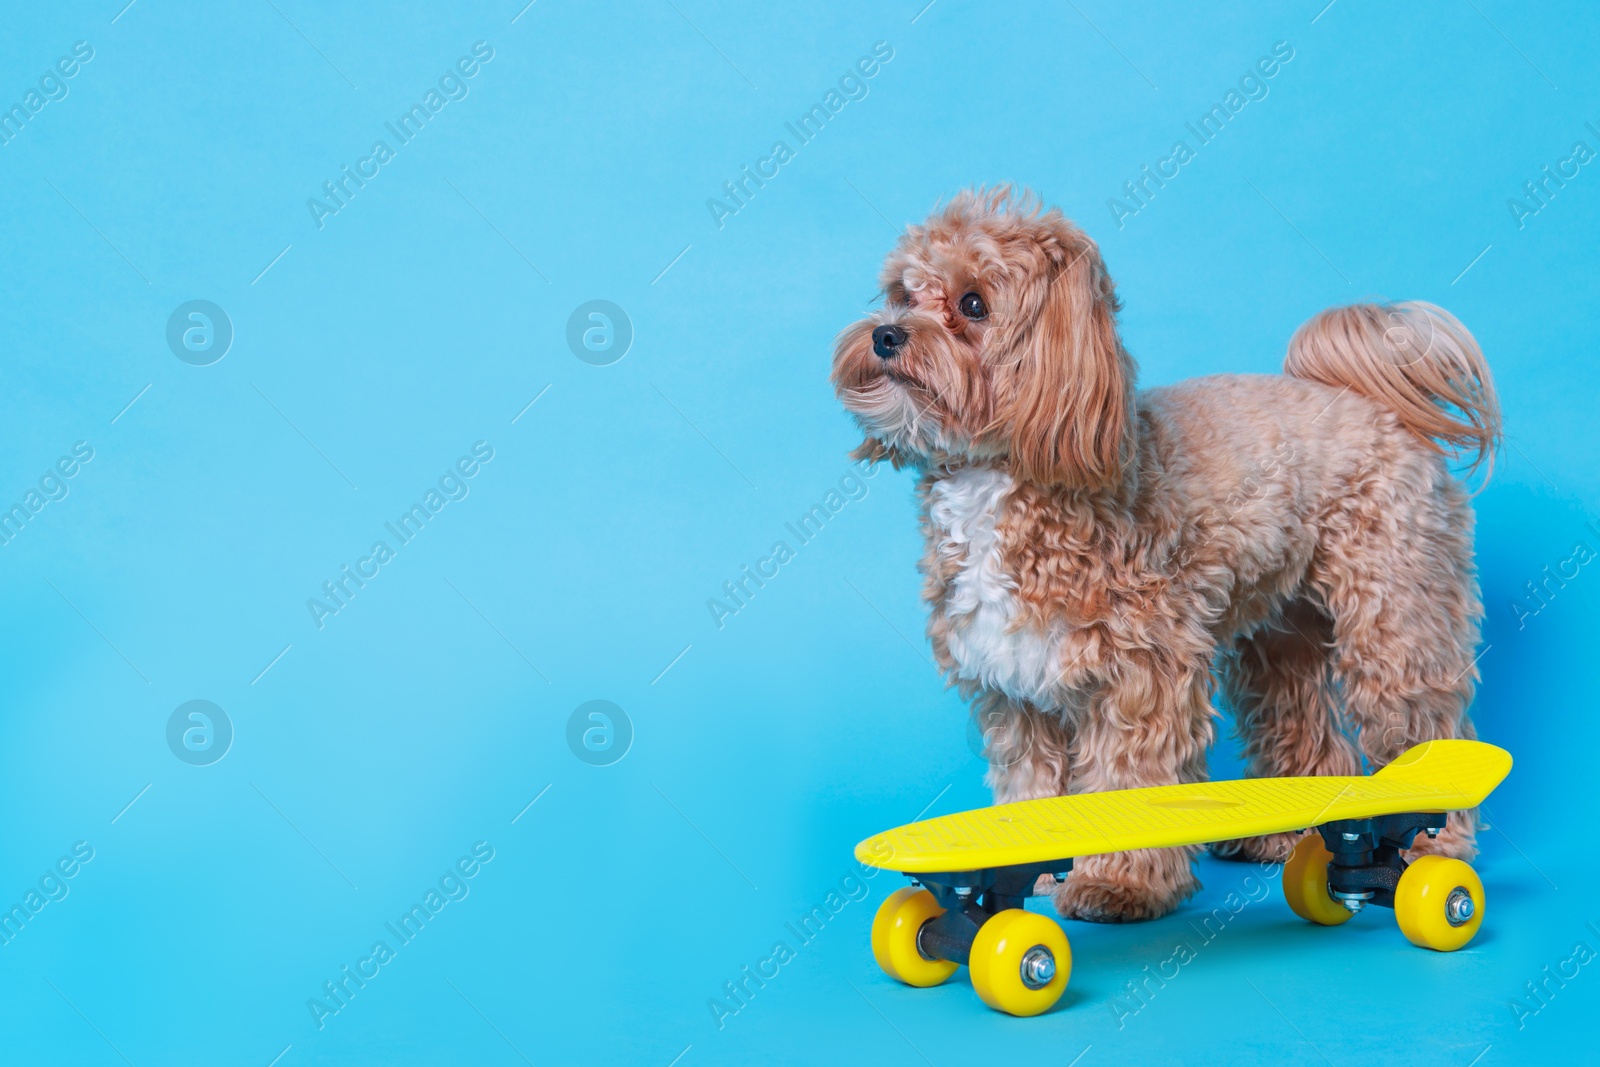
888, 340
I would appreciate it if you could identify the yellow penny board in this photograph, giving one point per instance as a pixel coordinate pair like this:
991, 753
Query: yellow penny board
1435, 776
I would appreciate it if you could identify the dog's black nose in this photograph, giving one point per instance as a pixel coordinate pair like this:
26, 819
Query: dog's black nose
886, 341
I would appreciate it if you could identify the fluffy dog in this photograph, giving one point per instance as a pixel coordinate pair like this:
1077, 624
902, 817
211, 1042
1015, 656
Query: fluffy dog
1097, 556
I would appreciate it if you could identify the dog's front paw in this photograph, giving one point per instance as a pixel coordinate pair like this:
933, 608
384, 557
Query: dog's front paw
1127, 886
1268, 848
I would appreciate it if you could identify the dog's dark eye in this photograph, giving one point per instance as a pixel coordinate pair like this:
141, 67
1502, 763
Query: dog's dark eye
972, 307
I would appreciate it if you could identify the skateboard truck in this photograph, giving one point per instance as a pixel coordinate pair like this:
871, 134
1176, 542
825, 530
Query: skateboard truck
972, 898
1365, 864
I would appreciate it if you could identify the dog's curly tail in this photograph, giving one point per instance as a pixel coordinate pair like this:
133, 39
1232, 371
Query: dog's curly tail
1414, 358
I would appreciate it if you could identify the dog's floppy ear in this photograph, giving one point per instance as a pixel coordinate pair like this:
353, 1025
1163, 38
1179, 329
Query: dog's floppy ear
1071, 390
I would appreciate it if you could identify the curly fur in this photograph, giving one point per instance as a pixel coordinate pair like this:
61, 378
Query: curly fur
1097, 557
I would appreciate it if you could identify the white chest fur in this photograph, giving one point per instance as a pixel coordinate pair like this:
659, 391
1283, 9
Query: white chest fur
986, 642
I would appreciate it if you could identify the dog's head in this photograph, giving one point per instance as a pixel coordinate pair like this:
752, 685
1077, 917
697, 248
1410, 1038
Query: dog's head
997, 342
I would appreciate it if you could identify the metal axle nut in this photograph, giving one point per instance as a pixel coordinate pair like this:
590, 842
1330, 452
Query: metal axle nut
1458, 906
1038, 967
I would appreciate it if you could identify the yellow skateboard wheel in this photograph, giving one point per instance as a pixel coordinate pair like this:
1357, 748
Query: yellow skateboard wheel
894, 938
1439, 903
1020, 962
1305, 883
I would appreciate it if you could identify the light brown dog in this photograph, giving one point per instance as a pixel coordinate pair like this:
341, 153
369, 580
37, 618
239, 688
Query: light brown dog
1096, 556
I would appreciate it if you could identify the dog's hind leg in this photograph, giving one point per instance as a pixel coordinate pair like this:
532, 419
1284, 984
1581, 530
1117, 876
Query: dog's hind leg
1279, 684
1398, 578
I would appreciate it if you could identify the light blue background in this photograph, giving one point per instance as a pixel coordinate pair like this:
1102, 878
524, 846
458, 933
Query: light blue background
424, 718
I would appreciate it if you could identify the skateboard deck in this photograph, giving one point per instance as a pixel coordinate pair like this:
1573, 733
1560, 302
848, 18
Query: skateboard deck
1436, 776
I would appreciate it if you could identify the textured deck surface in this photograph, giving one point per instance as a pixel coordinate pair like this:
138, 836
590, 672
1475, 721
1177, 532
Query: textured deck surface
1434, 776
